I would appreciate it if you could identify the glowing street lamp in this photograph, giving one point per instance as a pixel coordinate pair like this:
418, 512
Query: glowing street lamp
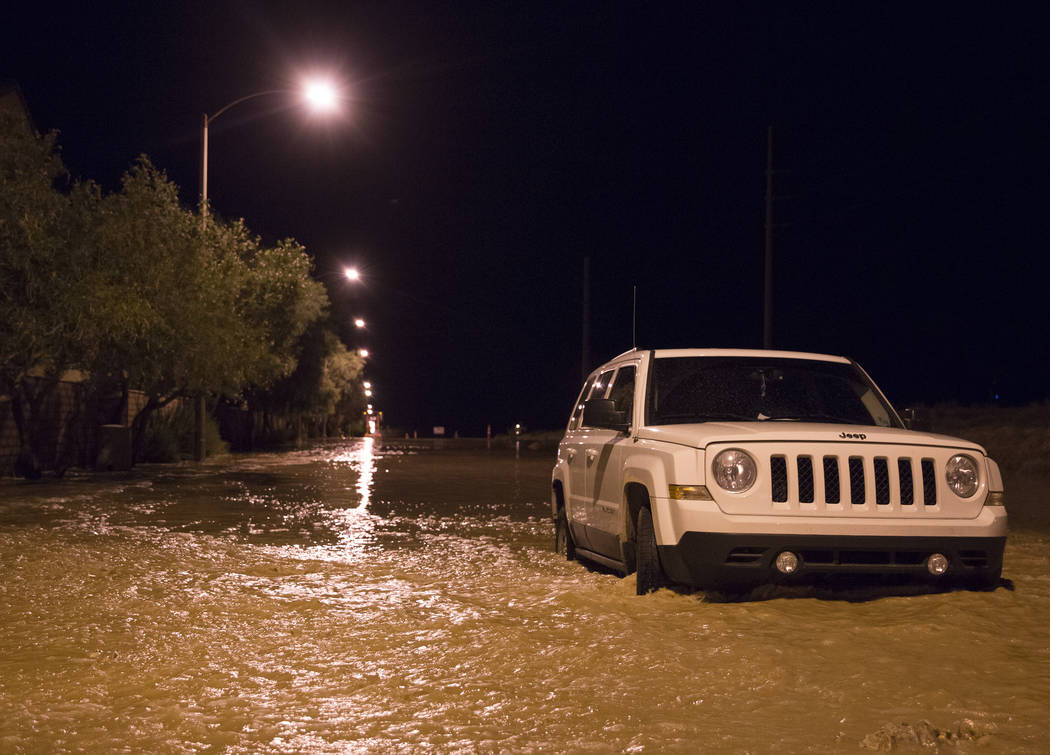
322, 95
363, 353
352, 274
359, 323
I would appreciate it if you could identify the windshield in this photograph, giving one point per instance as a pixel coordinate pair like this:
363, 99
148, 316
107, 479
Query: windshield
749, 389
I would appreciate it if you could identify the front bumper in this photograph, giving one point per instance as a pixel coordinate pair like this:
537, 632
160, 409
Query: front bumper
732, 560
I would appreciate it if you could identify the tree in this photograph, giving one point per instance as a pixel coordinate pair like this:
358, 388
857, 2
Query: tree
282, 298
42, 256
185, 311
325, 382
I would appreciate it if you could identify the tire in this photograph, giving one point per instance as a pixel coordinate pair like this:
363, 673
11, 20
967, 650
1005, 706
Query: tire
650, 574
562, 539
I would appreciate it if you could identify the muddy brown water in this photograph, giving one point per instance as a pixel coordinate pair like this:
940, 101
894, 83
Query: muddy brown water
362, 598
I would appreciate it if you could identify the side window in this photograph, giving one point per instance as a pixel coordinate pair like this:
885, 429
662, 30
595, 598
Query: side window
577, 410
622, 392
592, 389
600, 385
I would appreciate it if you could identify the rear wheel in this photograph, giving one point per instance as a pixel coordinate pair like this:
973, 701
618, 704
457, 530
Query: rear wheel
650, 574
562, 539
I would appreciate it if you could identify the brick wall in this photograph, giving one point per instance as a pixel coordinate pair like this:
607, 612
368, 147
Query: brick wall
65, 438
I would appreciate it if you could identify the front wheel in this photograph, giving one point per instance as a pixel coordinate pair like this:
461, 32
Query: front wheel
563, 544
650, 574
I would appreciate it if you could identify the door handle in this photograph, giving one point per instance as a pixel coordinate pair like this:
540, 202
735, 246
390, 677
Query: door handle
571, 453
591, 456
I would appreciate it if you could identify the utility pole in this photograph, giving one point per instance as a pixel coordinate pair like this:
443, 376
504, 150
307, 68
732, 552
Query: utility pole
200, 411
767, 318
634, 320
585, 351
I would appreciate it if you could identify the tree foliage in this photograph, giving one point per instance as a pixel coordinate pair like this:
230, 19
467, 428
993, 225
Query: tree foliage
185, 309
325, 383
43, 253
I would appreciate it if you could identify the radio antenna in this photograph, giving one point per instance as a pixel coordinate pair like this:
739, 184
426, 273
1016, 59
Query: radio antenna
634, 320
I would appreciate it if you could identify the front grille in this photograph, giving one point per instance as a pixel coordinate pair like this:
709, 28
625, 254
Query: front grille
801, 477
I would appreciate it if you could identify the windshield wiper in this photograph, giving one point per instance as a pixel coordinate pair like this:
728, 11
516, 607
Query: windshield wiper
818, 418
709, 417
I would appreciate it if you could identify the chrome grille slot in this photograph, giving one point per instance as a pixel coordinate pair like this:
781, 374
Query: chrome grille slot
882, 482
831, 480
805, 479
929, 483
907, 484
778, 475
856, 480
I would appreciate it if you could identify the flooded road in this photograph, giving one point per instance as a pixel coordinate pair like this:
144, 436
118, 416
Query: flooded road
355, 598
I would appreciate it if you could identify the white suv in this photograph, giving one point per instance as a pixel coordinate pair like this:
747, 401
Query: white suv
727, 468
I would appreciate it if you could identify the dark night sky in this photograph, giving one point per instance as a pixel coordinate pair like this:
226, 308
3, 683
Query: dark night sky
488, 148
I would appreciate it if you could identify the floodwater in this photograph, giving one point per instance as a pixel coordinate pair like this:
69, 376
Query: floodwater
359, 598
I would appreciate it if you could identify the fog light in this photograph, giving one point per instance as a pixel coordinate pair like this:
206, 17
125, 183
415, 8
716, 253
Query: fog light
787, 562
937, 564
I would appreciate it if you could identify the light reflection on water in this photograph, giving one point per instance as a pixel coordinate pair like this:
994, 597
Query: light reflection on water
354, 526
360, 598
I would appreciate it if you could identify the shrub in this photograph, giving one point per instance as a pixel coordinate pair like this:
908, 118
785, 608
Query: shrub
169, 436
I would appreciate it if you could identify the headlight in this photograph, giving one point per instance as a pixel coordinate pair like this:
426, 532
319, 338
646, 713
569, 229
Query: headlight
961, 474
734, 470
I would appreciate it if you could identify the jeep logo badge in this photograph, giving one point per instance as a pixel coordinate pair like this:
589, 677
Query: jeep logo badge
853, 436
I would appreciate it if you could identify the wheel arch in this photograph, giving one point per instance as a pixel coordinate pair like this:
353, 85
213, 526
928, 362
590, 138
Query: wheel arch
636, 496
557, 497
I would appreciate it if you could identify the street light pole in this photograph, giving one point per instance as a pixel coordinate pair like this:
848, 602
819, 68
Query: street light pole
321, 96
199, 409
767, 308
205, 122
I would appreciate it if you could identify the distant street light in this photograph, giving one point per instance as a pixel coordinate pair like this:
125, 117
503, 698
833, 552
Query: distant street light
320, 96
363, 353
352, 273
359, 323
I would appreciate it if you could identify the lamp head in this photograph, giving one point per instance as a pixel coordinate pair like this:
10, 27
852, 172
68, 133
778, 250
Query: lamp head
321, 95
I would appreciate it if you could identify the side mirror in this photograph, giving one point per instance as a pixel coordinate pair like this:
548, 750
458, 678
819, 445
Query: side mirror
602, 413
908, 415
